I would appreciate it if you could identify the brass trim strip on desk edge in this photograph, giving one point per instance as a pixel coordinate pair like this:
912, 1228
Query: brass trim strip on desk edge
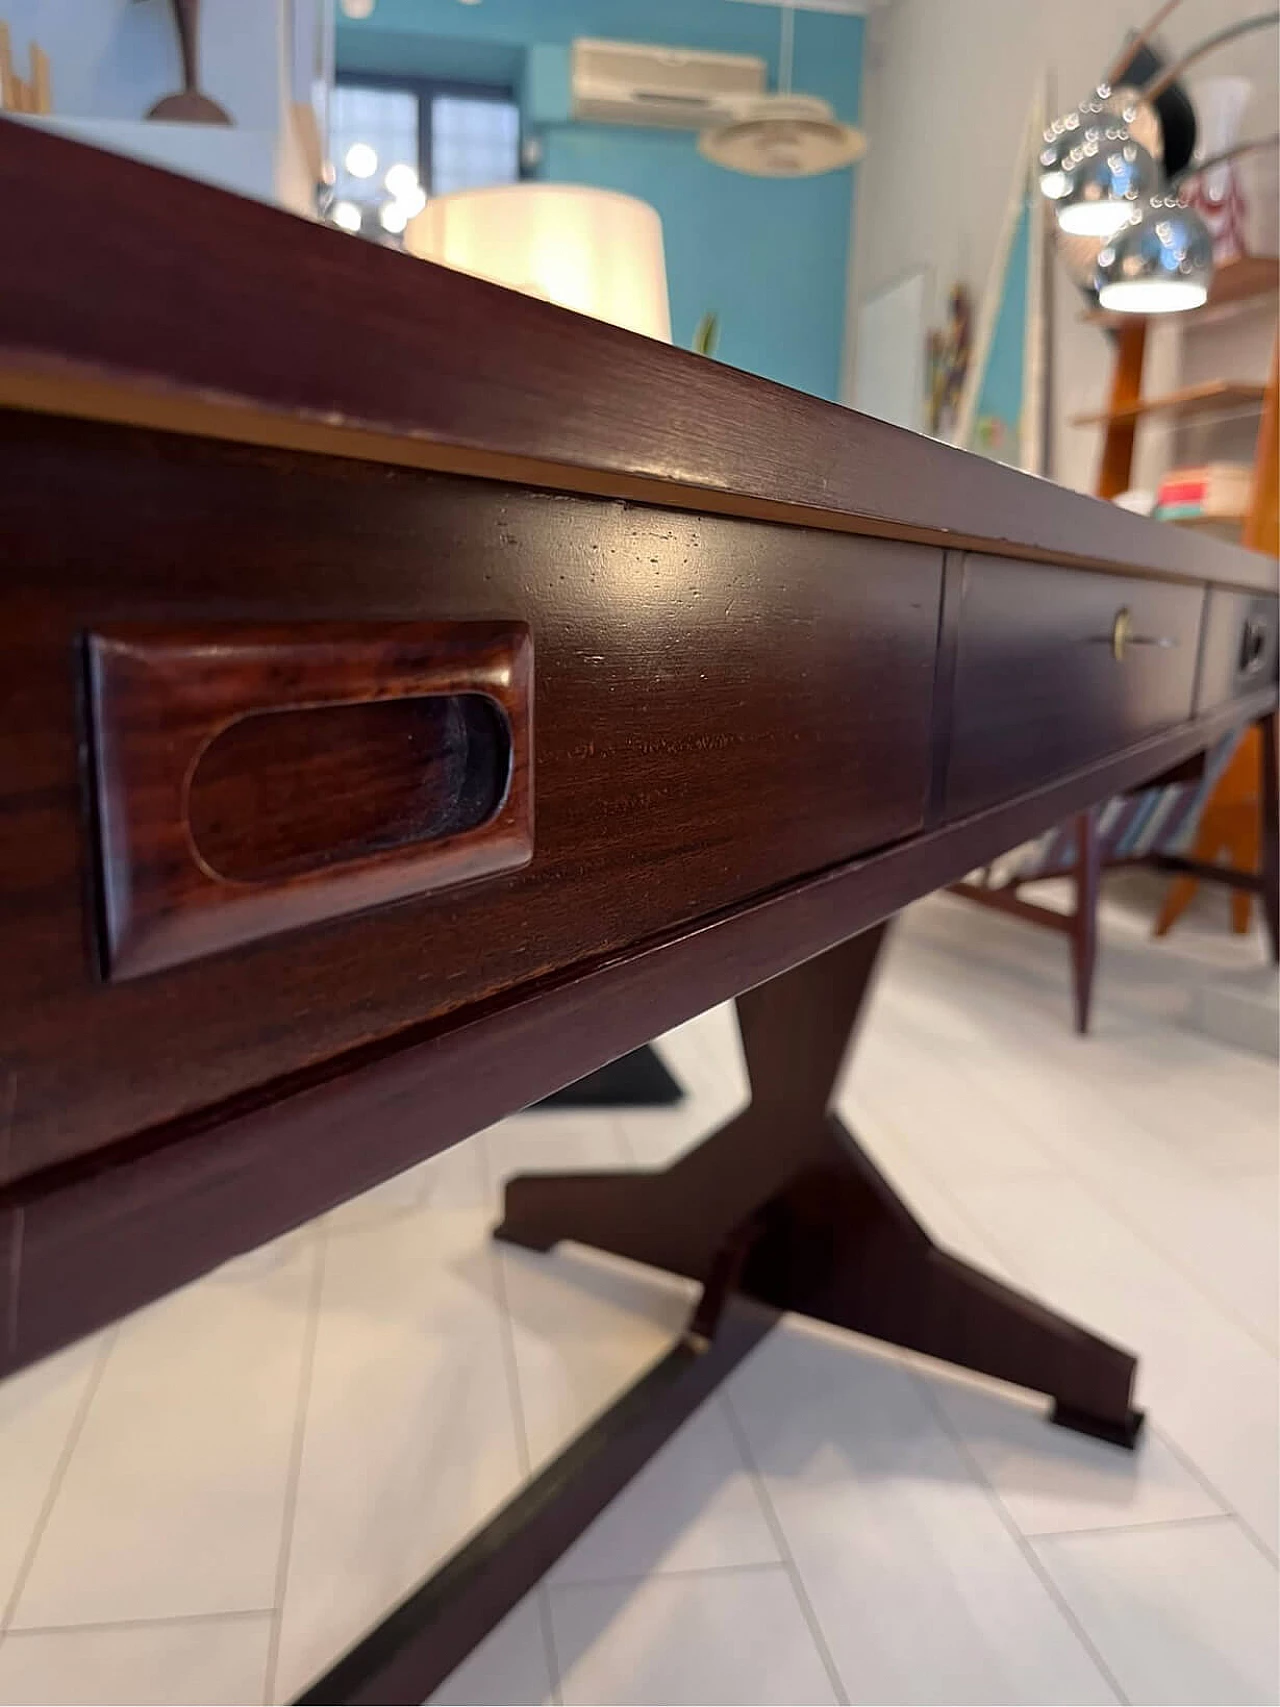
69, 389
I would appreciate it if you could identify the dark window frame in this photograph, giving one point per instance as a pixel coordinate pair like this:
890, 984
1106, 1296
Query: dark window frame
427, 90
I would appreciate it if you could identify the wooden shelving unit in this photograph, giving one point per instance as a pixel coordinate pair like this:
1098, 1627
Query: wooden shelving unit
1210, 398
1237, 799
1236, 284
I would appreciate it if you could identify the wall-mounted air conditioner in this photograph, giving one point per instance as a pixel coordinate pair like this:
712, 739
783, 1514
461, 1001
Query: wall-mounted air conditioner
617, 82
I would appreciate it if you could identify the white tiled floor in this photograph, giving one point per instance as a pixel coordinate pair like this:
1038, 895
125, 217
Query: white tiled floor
209, 1502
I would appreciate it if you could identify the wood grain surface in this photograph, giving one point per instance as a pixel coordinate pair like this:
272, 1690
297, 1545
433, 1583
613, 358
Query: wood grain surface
722, 707
309, 340
219, 824
1241, 647
91, 1240
1038, 690
282, 794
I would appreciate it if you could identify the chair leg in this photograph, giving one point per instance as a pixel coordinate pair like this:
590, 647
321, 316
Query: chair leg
1243, 852
1084, 927
1269, 863
1181, 891
1178, 896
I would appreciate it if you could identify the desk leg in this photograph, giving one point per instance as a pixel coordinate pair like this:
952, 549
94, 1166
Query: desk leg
780, 1210
821, 1230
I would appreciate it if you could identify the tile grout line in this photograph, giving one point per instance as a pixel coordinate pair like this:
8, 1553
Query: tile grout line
1023, 1542
1133, 1528
1063, 1163
993, 1248
293, 1474
1228, 1509
78, 1420
1179, 1452
657, 1574
241, 1614
520, 1429
990, 1258
780, 1542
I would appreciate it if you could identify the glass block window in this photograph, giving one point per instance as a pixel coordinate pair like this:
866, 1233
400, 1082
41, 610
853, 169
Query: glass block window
394, 142
474, 142
372, 129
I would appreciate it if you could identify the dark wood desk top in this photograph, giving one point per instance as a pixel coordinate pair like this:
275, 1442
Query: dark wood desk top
794, 668
139, 296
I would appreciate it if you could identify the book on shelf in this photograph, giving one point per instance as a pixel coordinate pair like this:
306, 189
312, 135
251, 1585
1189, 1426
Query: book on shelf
1212, 491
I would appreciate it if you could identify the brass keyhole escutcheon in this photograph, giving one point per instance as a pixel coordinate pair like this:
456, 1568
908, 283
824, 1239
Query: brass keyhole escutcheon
1121, 633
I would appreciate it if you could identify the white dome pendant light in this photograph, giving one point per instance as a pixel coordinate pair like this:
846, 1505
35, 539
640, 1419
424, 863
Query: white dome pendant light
783, 135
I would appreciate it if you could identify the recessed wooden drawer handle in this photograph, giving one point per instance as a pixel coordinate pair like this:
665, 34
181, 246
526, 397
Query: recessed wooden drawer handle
1123, 637
1253, 644
251, 780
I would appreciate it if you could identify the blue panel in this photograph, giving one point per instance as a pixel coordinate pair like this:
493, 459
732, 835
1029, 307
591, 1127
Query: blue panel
546, 95
448, 58
828, 45
768, 258
998, 417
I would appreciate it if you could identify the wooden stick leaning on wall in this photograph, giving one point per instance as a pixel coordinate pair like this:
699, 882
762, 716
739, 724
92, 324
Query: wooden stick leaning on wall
7, 77
31, 94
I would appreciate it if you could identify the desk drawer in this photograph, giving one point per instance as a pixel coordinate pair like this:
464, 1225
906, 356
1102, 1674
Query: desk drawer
1240, 647
1057, 667
718, 707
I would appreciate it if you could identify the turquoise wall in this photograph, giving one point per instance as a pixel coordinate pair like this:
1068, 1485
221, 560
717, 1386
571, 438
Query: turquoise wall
998, 427
767, 257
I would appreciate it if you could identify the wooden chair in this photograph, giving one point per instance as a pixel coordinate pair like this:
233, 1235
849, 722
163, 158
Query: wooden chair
1161, 826
1179, 825
1231, 826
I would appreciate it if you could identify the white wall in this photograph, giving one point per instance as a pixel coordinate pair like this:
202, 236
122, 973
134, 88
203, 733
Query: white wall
948, 84
111, 60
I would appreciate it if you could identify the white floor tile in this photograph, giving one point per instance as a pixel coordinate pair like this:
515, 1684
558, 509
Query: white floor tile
1206, 1384
553, 1140
921, 1591
410, 1440
584, 1327
37, 1411
705, 1056
928, 1092
1198, 1092
455, 1179
1129, 1178
1050, 1479
734, 1637
509, 1666
1219, 1228
1183, 1614
693, 1507
173, 1499
194, 1660
907, 1167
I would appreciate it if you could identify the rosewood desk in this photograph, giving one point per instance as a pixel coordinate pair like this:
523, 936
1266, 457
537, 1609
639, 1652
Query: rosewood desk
416, 696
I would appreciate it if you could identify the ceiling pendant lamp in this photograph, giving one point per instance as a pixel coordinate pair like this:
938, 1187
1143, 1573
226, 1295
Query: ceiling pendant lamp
1098, 165
783, 135
1107, 104
1160, 262
1161, 259
1107, 175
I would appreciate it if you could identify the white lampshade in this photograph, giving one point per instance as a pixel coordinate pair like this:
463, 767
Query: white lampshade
591, 250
